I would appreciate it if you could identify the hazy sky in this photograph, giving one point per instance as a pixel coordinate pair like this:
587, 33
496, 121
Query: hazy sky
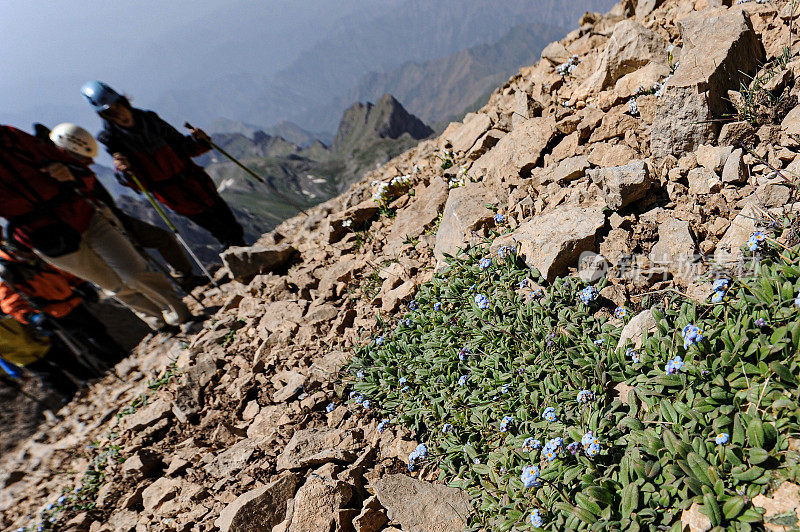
50, 48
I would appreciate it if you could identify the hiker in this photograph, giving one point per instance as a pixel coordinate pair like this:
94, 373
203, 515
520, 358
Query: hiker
45, 358
145, 146
79, 143
34, 292
49, 209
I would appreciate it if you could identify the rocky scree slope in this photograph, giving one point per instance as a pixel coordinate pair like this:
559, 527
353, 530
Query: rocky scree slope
623, 140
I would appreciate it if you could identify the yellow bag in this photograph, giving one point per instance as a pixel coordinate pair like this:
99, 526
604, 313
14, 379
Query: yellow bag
17, 345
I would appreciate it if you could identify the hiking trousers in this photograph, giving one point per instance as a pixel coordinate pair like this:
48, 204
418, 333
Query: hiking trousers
108, 259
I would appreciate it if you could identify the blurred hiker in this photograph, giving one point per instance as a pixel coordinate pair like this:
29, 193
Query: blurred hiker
34, 292
46, 198
79, 143
45, 358
144, 145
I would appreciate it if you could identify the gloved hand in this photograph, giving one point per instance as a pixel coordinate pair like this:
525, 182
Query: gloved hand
86, 291
38, 322
200, 136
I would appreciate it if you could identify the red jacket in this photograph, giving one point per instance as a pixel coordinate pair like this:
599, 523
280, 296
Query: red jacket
161, 159
47, 287
31, 199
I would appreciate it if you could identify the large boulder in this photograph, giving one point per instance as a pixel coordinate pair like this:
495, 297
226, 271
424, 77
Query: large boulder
622, 185
464, 212
259, 509
244, 263
553, 242
728, 252
518, 152
720, 51
630, 48
353, 218
420, 506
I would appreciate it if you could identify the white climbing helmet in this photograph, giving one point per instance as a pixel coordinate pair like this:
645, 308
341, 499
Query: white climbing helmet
74, 139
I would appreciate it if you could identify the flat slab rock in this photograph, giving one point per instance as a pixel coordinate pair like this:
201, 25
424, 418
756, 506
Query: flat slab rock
421, 506
258, 510
244, 263
553, 242
310, 447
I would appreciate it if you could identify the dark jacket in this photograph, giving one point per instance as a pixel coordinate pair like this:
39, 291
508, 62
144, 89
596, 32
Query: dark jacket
39, 208
161, 159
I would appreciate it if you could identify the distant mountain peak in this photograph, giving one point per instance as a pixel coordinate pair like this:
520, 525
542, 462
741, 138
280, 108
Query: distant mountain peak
364, 123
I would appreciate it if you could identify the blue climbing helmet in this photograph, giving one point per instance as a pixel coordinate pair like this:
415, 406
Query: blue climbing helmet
100, 95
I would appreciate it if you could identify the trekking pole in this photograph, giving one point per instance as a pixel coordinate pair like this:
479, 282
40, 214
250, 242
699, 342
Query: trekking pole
250, 172
171, 226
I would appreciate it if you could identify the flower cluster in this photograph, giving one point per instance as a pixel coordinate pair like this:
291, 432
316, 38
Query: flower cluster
796, 299
755, 240
330, 408
505, 250
633, 107
379, 340
462, 380
567, 68
620, 312
447, 427
413, 305
633, 355
588, 294
499, 219
386, 192
482, 301
591, 445
674, 365
722, 438
530, 444
417, 454
505, 423
485, 263
463, 353
692, 335
552, 448
437, 306
549, 414
536, 519
720, 286
530, 476
584, 396
382, 425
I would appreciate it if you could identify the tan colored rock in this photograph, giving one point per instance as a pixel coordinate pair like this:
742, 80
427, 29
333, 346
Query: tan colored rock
606, 155
675, 250
475, 125
556, 53
695, 520
292, 387
244, 263
782, 508
703, 181
310, 447
420, 506
736, 134
423, 210
260, 509
317, 504
464, 212
635, 329
720, 50
728, 252
488, 141
228, 462
518, 152
159, 492
146, 416
553, 242
392, 299
734, 170
622, 185
712, 158
353, 218
565, 171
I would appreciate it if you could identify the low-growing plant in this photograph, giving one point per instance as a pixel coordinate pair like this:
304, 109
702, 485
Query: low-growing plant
525, 400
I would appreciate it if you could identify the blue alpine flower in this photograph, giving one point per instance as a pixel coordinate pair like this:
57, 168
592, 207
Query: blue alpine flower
505, 423
530, 444
588, 294
462, 380
437, 306
482, 301
549, 414
674, 365
722, 438
530, 476
382, 425
536, 519
485, 263
584, 396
